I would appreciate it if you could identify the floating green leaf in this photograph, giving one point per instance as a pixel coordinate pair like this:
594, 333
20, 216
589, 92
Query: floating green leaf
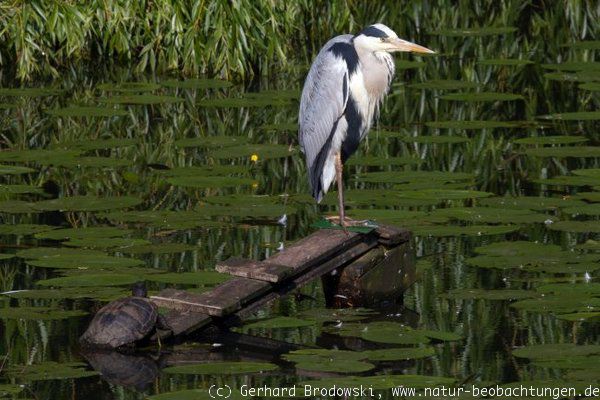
212, 141
491, 215
530, 202
86, 203
190, 278
86, 111
128, 87
439, 139
196, 84
38, 313
505, 62
96, 293
29, 92
14, 170
574, 116
455, 230
379, 161
397, 354
481, 96
263, 151
576, 226
17, 207
564, 152
91, 280
498, 294
221, 368
84, 261
281, 322
474, 125
140, 99
24, 229
324, 360
444, 85
209, 181
49, 370
542, 140
475, 31
94, 232
555, 351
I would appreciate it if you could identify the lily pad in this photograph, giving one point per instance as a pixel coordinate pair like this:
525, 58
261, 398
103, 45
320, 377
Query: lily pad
196, 84
244, 102
97, 144
158, 248
221, 368
492, 295
84, 262
336, 315
324, 360
24, 229
505, 62
559, 304
262, 151
128, 87
40, 156
49, 370
381, 382
96, 293
530, 202
473, 125
14, 170
115, 244
576, 226
29, 92
86, 203
20, 189
565, 152
190, 278
433, 177
17, 207
209, 181
379, 161
141, 99
87, 112
91, 280
475, 31
491, 215
481, 96
574, 116
561, 139
555, 351
444, 85
52, 252
456, 230
94, 232
281, 322
398, 354
212, 141
38, 313
439, 139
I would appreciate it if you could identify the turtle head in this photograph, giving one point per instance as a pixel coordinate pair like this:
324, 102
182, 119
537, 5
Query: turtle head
139, 290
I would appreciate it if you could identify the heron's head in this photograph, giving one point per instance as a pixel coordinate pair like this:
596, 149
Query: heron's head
379, 37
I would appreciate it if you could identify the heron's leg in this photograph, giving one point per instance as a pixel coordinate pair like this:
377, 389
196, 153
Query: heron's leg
338, 177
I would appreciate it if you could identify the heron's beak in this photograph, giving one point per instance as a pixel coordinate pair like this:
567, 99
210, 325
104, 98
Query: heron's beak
404, 45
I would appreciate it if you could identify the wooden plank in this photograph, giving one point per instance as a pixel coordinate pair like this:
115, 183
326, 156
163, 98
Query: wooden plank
222, 299
315, 249
368, 242
260, 270
182, 322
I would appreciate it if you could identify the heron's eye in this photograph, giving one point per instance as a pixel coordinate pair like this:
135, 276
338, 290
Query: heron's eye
382, 39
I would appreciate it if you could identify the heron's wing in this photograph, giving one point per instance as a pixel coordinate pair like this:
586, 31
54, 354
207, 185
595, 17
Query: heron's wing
322, 104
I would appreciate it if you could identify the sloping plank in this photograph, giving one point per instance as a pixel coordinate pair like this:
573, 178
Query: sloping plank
315, 249
181, 322
369, 242
222, 299
260, 270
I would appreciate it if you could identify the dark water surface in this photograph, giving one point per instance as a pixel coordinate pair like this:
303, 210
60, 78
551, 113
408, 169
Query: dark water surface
193, 172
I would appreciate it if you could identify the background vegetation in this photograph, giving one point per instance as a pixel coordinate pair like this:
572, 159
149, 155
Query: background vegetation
241, 38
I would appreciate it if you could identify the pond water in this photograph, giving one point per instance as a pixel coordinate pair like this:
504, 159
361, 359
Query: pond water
492, 162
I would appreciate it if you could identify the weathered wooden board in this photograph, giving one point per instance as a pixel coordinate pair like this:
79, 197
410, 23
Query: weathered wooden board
368, 242
182, 322
221, 300
260, 270
315, 249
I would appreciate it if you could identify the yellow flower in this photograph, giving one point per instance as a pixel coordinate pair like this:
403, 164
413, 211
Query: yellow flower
254, 157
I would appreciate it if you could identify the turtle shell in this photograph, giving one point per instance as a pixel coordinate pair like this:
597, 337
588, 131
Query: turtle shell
121, 322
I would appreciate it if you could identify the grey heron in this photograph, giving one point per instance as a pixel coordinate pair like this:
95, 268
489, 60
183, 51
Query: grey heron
341, 95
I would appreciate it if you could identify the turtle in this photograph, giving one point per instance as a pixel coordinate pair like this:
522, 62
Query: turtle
121, 323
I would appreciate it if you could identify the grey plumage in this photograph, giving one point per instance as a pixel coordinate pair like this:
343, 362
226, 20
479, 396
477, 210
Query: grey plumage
342, 93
